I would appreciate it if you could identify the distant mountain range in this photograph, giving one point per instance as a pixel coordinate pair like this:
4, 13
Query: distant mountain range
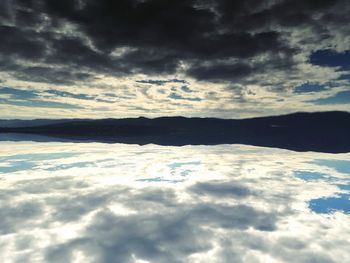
320, 131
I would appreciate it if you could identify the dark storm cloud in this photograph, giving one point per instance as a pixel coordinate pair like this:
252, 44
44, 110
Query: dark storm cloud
259, 14
73, 40
50, 75
218, 71
20, 43
73, 51
330, 58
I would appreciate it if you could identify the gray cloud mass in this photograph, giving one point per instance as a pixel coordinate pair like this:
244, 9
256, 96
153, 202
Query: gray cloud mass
139, 50
157, 36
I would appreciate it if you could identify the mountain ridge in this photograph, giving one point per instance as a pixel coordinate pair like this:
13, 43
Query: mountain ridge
301, 131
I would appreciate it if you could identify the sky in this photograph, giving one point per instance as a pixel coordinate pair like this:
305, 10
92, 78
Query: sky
194, 58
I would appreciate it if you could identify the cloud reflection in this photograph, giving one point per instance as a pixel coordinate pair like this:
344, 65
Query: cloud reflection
101, 203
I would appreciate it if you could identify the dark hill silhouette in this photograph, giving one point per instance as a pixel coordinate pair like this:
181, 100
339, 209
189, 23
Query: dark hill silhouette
321, 131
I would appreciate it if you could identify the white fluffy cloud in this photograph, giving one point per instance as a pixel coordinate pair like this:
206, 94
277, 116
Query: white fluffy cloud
126, 203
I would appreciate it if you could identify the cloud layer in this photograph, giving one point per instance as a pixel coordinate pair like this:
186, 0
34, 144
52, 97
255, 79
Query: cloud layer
125, 203
221, 49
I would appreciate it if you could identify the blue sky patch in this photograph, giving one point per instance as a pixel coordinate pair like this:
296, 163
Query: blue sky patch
345, 187
342, 97
342, 166
38, 156
308, 87
345, 77
18, 93
176, 96
40, 104
17, 166
331, 58
177, 165
71, 165
28, 98
70, 95
159, 179
309, 176
22, 162
331, 204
